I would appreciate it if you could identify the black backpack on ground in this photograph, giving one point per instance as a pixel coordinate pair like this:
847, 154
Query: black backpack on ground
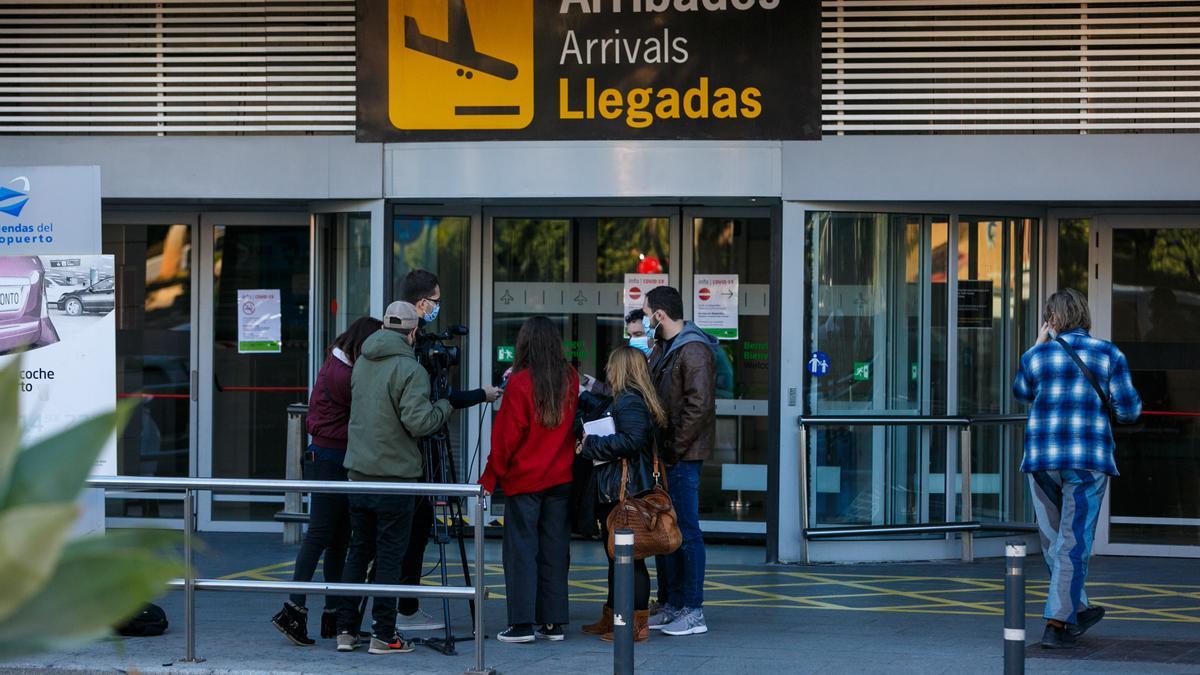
151, 621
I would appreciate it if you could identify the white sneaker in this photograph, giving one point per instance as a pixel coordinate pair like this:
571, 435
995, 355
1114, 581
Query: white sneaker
421, 620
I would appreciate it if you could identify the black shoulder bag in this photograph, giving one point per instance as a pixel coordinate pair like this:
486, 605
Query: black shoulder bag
1105, 402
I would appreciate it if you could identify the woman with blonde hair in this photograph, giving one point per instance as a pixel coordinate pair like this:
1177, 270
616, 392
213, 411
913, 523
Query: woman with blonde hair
531, 460
638, 416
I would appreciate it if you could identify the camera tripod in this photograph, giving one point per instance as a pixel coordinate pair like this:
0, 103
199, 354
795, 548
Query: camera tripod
448, 522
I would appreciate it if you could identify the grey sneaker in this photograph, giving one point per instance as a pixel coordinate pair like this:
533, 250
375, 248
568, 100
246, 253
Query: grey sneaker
422, 620
689, 622
347, 641
666, 615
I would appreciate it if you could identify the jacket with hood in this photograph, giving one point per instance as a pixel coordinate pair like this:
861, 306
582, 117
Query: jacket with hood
390, 409
684, 373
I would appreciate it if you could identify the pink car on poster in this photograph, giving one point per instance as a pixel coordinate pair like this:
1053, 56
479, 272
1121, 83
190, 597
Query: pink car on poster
24, 318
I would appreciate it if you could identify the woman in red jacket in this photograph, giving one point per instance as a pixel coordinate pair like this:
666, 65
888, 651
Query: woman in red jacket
328, 514
533, 450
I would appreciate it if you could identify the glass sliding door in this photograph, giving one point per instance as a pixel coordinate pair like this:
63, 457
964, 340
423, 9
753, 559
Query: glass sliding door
733, 484
1147, 300
257, 354
153, 256
418, 239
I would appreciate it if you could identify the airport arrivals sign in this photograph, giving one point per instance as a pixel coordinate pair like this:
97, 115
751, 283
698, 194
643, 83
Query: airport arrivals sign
431, 70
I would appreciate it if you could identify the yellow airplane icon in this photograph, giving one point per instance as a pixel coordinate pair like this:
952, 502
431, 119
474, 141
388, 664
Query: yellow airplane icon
460, 64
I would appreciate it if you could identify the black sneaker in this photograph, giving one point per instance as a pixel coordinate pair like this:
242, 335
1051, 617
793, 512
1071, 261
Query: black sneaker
550, 631
1057, 638
329, 624
396, 644
522, 632
292, 621
1085, 620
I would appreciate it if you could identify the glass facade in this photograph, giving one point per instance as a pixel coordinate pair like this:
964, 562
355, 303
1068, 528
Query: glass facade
878, 331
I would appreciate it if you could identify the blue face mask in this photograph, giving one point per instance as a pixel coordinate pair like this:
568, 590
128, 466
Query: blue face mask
430, 317
641, 343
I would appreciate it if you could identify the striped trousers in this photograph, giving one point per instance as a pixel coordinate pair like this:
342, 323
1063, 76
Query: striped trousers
1067, 505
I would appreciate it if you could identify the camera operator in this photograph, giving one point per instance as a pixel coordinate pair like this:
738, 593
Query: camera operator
421, 289
390, 409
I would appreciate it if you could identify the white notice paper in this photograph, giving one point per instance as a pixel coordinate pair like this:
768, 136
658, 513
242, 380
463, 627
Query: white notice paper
636, 288
601, 427
259, 326
715, 305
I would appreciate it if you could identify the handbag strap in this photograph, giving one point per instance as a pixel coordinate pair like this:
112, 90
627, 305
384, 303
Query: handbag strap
1087, 373
624, 478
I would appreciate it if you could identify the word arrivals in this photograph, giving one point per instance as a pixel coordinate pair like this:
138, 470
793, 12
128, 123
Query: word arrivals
624, 50
642, 106
597, 6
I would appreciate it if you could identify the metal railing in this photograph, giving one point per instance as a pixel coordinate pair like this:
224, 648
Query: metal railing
189, 584
965, 527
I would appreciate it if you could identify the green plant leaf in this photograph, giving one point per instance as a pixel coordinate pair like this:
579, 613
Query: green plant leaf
31, 541
10, 431
99, 583
55, 468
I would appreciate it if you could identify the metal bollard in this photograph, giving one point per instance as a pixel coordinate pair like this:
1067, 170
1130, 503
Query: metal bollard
623, 601
1014, 608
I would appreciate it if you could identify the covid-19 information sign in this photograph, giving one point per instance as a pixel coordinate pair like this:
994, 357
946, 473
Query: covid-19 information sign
588, 69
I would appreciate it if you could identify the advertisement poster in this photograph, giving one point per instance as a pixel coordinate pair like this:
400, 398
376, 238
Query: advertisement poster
636, 288
715, 305
57, 315
260, 330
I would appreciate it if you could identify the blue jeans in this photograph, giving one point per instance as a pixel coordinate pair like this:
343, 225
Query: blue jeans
1067, 506
682, 572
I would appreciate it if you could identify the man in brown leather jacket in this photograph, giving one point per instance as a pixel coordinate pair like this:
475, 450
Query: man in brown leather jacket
683, 367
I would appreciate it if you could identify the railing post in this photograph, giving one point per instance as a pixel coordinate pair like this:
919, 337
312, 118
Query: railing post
968, 507
623, 616
803, 493
189, 578
292, 469
480, 590
1014, 608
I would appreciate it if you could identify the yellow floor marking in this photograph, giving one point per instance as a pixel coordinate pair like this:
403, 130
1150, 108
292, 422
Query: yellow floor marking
934, 600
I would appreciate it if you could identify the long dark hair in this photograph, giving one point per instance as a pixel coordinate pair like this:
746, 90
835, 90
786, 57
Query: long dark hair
352, 340
539, 349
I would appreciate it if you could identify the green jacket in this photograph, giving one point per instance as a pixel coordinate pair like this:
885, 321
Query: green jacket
389, 410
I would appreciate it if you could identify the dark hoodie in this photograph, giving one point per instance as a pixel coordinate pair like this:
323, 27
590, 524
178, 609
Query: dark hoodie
684, 373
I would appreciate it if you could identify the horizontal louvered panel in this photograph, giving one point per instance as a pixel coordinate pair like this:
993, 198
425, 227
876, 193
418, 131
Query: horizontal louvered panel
177, 66
1018, 66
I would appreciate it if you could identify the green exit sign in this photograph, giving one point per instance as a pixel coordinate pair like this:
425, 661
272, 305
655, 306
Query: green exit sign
862, 371
505, 353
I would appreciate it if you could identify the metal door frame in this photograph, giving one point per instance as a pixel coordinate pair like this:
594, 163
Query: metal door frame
1100, 285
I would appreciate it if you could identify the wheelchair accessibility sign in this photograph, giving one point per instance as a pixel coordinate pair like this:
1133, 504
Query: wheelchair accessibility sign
460, 64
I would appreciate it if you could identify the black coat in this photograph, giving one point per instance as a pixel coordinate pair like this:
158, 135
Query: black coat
634, 442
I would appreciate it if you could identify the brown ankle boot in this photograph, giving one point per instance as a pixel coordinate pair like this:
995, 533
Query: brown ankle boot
641, 627
604, 625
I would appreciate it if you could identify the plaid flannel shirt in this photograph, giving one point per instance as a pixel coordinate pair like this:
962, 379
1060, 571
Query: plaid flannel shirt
1068, 427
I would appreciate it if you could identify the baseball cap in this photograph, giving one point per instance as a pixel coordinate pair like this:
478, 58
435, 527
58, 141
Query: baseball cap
401, 315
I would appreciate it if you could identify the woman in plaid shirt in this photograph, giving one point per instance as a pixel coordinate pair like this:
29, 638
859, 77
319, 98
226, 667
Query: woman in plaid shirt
1069, 451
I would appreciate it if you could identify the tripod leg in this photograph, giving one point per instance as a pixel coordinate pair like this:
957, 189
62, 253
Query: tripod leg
460, 525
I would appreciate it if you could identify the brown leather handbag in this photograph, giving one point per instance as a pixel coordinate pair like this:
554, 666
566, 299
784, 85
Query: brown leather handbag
650, 515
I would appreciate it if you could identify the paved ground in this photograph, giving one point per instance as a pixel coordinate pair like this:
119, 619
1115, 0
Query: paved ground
920, 618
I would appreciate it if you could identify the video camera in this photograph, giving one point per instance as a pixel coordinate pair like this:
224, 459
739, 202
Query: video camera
437, 357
